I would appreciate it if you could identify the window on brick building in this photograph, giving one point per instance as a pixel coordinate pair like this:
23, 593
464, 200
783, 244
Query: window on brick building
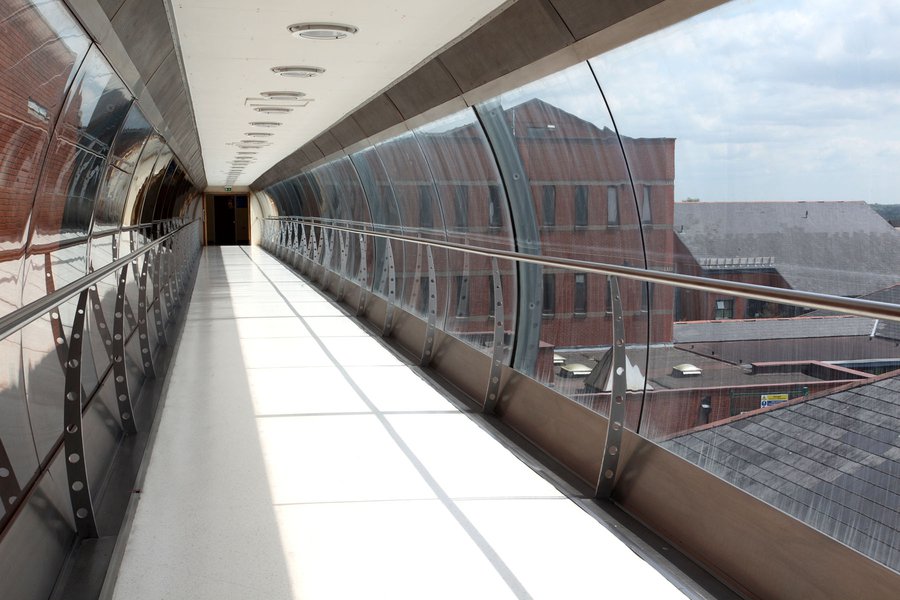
725, 308
612, 206
646, 211
494, 206
581, 206
549, 296
580, 307
490, 310
426, 207
548, 206
646, 295
424, 290
607, 299
461, 206
462, 295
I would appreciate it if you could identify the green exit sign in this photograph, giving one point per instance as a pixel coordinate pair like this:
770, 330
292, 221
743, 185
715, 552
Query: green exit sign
227, 189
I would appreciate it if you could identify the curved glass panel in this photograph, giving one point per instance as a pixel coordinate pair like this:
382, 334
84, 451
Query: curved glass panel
39, 42
475, 211
350, 198
562, 139
385, 217
420, 212
781, 172
130, 140
140, 181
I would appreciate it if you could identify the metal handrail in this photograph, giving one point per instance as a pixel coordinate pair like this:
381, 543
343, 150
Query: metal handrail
851, 306
32, 311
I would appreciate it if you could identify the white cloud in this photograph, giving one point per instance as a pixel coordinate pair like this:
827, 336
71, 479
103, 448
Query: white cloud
770, 99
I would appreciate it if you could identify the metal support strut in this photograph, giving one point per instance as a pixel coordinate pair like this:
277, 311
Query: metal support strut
432, 310
120, 373
613, 444
391, 274
73, 441
362, 277
492, 394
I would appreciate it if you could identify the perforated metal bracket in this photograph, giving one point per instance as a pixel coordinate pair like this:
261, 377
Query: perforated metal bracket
343, 242
430, 324
362, 276
390, 274
313, 253
611, 451
143, 315
120, 373
10, 490
296, 248
327, 254
73, 440
100, 320
492, 394
156, 277
304, 247
166, 274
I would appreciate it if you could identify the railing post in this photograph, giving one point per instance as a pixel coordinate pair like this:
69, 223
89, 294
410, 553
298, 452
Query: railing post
143, 314
362, 277
611, 451
73, 439
492, 394
391, 275
430, 326
120, 372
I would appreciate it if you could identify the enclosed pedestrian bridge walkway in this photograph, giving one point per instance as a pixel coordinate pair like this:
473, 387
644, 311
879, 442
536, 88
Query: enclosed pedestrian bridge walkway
525, 299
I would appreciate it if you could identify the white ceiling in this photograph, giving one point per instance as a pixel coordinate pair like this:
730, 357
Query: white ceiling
230, 46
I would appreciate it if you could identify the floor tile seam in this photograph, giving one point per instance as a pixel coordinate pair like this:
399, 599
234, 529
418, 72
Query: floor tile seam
503, 570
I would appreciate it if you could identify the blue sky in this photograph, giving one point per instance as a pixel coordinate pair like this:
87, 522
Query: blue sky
769, 100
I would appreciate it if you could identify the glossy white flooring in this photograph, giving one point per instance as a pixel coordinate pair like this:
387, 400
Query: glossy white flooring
297, 457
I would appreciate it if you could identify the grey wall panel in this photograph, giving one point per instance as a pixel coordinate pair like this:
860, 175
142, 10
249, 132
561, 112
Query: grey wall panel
312, 151
144, 27
522, 34
165, 86
327, 143
111, 7
348, 132
377, 115
430, 86
584, 17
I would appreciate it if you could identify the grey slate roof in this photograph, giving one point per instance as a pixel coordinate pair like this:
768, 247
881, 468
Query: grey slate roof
771, 329
884, 329
832, 462
841, 248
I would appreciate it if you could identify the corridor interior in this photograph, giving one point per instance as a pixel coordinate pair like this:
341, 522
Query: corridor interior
297, 456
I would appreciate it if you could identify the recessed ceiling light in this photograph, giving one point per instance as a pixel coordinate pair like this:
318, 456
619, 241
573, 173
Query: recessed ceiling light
296, 71
265, 124
282, 95
322, 31
274, 110
259, 134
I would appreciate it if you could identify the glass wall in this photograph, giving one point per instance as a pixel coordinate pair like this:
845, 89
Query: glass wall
71, 142
741, 145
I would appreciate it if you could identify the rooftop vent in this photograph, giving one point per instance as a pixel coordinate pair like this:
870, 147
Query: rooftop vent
686, 370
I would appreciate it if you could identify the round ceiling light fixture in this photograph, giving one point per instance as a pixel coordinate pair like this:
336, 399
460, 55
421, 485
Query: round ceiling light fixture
298, 71
259, 134
274, 110
322, 31
265, 124
282, 95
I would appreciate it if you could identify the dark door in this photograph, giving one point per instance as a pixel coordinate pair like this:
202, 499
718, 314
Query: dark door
225, 221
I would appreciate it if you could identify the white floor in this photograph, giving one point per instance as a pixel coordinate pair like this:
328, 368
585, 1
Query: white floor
296, 457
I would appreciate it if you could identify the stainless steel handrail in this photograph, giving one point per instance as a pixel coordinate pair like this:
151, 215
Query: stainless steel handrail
851, 306
32, 311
